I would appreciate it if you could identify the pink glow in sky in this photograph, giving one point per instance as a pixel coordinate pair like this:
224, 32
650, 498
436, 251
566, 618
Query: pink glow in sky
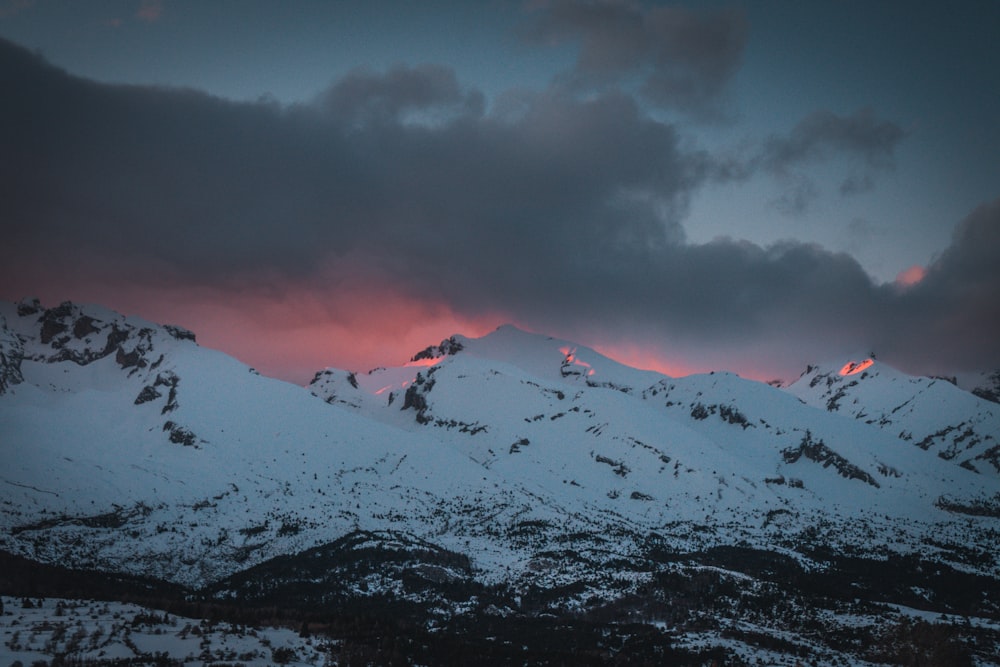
294, 338
911, 276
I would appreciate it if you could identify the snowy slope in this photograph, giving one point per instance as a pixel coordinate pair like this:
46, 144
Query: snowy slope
127, 446
187, 465
633, 446
932, 414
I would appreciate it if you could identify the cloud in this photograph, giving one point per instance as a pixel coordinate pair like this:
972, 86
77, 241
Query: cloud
866, 141
682, 59
856, 184
400, 94
14, 7
951, 316
149, 11
560, 213
860, 135
797, 194
216, 187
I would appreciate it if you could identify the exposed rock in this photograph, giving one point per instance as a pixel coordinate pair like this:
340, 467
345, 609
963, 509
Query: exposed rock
447, 347
52, 326
180, 435
990, 391
11, 354
130, 359
84, 326
147, 394
820, 453
28, 307
180, 333
416, 397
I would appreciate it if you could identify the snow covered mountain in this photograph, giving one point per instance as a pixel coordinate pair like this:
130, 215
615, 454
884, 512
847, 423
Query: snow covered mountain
933, 414
712, 449
513, 460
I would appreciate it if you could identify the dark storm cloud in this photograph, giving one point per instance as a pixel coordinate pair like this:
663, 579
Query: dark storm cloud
562, 214
682, 58
216, 187
169, 175
951, 318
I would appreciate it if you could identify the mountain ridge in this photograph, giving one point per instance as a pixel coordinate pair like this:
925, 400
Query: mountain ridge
515, 460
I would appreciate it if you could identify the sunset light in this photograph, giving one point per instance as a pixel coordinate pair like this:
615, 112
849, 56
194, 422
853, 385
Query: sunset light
573, 360
503, 332
426, 361
376, 190
911, 276
852, 368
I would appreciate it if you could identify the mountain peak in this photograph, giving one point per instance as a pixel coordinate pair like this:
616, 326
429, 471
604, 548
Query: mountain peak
82, 334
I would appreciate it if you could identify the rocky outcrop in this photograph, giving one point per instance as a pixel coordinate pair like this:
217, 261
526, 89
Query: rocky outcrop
447, 347
989, 390
11, 353
818, 452
69, 332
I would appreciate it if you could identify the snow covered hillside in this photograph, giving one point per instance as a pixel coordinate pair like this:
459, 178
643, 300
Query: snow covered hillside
128, 446
654, 451
514, 462
932, 414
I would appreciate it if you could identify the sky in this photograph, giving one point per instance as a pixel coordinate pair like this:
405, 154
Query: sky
686, 186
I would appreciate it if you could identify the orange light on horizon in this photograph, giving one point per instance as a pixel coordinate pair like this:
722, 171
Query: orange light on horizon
647, 359
292, 329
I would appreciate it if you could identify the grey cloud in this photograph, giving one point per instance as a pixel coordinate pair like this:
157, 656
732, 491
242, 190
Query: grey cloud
216, 188
13, 7
798, 193
565, 216
682, 58
366, 96
868, 142
856, 184
861, 134
952, 317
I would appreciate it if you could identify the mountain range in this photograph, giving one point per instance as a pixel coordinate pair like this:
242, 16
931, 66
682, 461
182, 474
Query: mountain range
509, 477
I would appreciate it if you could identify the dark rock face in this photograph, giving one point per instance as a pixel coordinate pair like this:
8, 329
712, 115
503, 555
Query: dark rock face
29, 307
50, 329
180, 435
416, 396
71, 333
179, 333
84, 327
820, 453
147, 394
83, 338
991, 390
11, 354
448, 346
